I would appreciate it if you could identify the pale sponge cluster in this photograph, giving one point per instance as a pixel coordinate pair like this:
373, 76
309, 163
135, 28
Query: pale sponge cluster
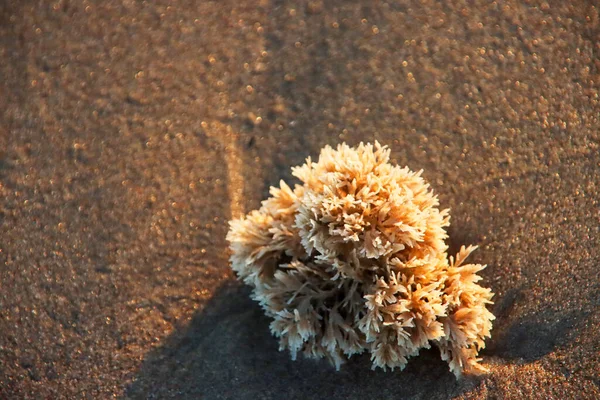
355, 259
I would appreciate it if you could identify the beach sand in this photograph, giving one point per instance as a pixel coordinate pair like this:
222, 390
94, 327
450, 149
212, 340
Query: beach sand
132, 131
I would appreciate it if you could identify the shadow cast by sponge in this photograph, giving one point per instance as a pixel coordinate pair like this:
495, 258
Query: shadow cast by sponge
228, 352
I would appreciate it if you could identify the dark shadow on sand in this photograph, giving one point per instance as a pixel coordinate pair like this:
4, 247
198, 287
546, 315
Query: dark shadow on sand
525, 339
529, 339
227, 352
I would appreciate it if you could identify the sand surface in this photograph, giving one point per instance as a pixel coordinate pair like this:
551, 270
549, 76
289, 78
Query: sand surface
132, 131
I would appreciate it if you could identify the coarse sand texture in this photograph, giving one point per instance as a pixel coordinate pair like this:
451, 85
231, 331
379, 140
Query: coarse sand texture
355, 259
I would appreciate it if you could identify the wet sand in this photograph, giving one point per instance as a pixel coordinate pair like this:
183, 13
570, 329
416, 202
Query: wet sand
131, 132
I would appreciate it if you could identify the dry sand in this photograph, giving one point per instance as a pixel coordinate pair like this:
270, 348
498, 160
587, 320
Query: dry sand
131, 131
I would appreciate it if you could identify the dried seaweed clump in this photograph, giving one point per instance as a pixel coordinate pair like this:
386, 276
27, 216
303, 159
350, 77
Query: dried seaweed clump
354, 259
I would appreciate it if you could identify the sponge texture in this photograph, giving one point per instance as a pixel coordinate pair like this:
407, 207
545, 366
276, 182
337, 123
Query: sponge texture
354, 259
